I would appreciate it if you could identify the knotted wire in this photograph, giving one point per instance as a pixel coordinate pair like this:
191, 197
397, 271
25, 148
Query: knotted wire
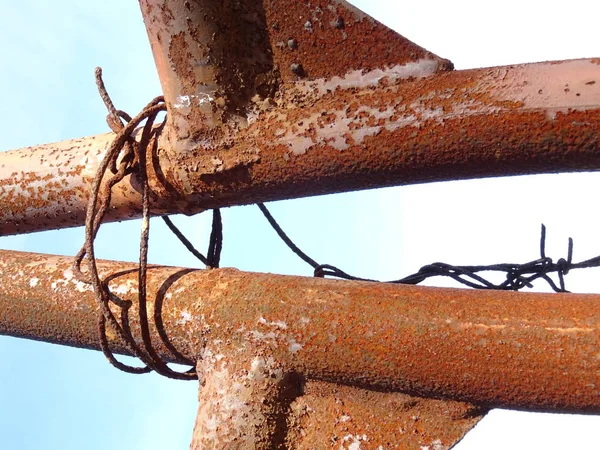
517, 276
126, 156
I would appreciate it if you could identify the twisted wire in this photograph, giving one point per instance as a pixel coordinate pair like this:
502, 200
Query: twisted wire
126, 156
516, 276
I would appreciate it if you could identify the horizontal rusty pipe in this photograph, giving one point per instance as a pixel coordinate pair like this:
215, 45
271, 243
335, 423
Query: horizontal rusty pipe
47, 187
369, 129
496, 348
379, 129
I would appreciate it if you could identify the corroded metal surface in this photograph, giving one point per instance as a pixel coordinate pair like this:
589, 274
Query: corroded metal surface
252, 403
217, 59
47, 187
331, 38
348, 417
368, 129
388, 127
209, 55
493, 348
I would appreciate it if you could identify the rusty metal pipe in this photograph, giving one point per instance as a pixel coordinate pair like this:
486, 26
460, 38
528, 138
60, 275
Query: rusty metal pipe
501, 349
379, 129
209, 55
369, 129
47, 187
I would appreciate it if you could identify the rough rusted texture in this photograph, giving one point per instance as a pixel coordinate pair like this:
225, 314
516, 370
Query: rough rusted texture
332, 37
221, 61
378, 129
211, 56
369, 129
244, 402
330, 415
494, 348
47, 186
217, 58
250, 402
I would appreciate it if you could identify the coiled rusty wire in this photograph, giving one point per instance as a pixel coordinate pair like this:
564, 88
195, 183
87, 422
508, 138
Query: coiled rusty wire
126, 156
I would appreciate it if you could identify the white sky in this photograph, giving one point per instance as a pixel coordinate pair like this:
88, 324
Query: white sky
59, 398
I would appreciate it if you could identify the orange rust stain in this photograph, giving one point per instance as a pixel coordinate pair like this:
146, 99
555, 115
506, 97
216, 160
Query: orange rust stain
345, 415
332, 39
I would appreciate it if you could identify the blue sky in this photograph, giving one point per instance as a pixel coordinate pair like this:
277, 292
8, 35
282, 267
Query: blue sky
60, 398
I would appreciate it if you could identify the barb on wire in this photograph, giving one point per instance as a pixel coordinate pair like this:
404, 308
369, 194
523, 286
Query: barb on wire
126, 156
517, 276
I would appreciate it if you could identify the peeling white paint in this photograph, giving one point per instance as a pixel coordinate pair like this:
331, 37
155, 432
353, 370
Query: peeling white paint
435, 445
185, 101
482, 326
361, 79
304, 320
123, 288
69, 279
185, 317
271, 336
294, 346
279, 324
572, 330
275, 336
353, 442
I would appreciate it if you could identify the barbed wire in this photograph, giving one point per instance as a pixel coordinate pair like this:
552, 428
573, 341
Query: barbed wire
516, 276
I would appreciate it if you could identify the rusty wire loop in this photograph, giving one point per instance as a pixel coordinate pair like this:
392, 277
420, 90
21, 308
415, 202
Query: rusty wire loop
123, 157
517, 276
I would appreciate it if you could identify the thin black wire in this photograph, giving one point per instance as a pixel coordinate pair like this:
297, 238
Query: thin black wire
517, 276
215, 245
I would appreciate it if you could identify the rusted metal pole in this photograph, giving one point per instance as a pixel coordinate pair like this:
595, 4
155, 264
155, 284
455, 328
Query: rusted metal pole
209, 55
495, 348
48, 186
217, 59
366, 130
379, 129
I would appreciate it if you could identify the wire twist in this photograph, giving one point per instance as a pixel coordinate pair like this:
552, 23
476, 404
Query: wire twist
126, 156
517, 276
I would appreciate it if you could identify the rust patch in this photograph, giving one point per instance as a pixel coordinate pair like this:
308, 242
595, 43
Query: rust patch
343, 416
333, 38
182, 61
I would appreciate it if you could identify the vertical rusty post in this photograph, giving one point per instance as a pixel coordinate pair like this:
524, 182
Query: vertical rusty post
243, 402
210, 56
